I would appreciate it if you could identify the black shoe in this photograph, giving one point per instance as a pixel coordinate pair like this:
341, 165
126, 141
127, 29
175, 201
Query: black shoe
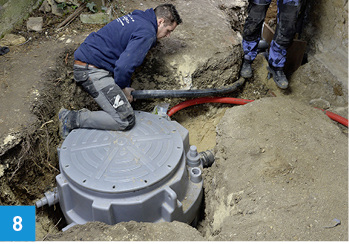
278, 76
4, 50
246, 69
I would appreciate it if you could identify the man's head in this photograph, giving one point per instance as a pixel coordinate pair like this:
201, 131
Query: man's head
167, 18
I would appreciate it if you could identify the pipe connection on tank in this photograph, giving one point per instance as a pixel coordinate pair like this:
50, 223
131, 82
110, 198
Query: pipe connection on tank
195, 159
196, 175
207, 158
50, 198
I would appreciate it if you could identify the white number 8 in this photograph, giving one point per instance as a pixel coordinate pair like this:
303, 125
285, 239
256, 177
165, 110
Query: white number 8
17, 226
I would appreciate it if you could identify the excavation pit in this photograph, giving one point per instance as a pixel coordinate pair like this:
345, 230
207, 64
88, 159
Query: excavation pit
143, 174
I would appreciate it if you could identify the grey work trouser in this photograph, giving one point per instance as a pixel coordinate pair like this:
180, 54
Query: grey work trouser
117, 112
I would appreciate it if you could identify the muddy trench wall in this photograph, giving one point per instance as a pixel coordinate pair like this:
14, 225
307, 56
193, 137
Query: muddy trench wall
326, 27
326, 32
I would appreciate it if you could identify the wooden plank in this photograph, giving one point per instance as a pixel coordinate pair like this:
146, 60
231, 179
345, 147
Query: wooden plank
268, 33
71, 17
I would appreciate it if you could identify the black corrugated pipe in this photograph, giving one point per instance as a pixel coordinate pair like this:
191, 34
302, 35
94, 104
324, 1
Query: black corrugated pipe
148, 94
207, 158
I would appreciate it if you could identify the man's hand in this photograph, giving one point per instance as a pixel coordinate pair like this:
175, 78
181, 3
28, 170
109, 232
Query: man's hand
127, 91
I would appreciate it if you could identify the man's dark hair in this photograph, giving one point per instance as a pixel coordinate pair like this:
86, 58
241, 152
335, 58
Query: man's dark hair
168, 12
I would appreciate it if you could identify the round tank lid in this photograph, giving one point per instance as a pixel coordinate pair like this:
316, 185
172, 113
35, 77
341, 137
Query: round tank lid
122, 161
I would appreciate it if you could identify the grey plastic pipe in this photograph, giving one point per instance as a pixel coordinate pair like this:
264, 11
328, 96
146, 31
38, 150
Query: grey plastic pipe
149, 94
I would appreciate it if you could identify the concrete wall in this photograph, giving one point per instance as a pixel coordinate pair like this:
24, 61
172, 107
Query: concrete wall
13, 12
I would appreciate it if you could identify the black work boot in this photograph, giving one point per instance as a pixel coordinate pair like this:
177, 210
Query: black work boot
278, 75
246, 69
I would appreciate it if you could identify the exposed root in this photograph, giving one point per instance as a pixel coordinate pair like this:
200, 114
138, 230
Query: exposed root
22, 155
54, 227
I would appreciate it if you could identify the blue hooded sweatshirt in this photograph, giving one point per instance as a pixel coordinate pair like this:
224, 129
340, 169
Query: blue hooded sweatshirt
121, 45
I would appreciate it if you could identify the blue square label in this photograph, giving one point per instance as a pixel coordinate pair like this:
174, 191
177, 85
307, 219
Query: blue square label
17, 223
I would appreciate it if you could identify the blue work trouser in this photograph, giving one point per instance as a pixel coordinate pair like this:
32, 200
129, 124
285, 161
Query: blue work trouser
285, 30
117, 112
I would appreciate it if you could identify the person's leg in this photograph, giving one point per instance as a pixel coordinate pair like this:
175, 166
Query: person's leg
285, 30
117, 112
252, 33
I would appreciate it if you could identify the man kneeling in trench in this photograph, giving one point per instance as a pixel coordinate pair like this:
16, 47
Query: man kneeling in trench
104, 64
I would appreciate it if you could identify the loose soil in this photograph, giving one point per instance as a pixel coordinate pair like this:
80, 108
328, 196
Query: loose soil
281, 168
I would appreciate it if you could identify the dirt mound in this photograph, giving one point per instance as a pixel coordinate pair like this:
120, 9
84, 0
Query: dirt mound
280, 174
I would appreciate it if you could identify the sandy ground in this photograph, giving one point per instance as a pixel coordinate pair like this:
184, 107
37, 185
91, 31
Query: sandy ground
281, 174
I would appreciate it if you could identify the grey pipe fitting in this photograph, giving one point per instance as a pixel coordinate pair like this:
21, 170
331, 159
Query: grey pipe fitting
193, 158
195, 175
50, 198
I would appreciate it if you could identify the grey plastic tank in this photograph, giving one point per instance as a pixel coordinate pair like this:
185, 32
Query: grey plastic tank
147, 174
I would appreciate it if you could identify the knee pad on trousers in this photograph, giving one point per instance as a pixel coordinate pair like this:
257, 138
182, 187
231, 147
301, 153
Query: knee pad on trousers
254, 21
286, 27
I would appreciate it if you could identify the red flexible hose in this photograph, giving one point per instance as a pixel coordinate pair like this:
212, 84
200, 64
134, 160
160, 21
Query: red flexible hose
239, 101
230, 100
336, 117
